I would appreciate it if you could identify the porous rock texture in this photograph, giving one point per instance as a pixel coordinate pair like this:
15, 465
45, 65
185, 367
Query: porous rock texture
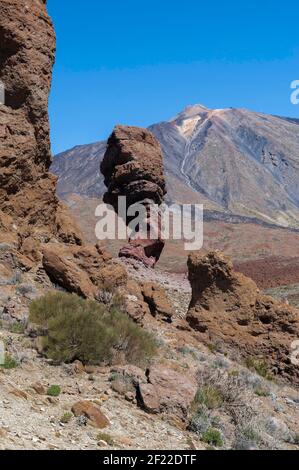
133, 167
160, 389
37, 227
227, 307
29, 206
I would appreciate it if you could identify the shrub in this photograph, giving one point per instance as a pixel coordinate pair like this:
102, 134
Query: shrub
213, 437
66, 418
9, 362
208, 396
102, 436
54, 391
260, 367
17, 328
89, 331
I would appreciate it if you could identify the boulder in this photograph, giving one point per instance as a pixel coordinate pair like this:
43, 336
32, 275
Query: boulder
227, 307
92, 412
161, 390
156, 298
82, 270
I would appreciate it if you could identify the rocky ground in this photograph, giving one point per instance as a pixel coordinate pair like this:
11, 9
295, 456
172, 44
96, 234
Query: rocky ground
31, 419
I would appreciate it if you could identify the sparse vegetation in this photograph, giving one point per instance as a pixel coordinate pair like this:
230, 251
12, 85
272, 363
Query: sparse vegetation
213, 437
66, 417
17, 328
208, 396
9, 362
54, 391
260, 367
89, 331
102, 436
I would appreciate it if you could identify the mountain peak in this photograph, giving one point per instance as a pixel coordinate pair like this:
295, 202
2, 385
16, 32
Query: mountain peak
191, 111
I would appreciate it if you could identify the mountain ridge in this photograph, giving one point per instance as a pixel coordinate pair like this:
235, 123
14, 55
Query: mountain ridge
234, 161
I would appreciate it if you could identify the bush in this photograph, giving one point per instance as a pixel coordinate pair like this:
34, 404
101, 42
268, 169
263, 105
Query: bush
89, 331
260, 367
9, 362
208, 396
17, 328
66, 418
213, 437
54, 391
102, 436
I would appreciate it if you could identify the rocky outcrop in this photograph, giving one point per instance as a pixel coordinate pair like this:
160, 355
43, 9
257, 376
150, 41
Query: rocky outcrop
133, 167
82, 270
227, 307
159, 304
27, 189
159, 390
92, 413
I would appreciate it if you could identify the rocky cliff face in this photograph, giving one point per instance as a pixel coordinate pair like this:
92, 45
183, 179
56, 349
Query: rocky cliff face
28, 203
227, 308
133, 168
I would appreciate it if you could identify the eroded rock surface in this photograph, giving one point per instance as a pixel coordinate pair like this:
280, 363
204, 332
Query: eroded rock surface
27, 189
82, 270
227, 306
133, 167
160, 389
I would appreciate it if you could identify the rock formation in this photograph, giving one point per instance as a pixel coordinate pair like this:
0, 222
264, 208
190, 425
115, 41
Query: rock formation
227, 307
133, 167
37, 227
160, 389
29, 206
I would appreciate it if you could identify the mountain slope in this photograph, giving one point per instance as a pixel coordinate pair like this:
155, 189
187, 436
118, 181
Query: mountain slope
234, 161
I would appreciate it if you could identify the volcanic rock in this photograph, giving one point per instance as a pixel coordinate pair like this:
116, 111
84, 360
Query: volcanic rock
95, 416
27, 189
157, 300
82, 270
133, 168
161, 389
227, 307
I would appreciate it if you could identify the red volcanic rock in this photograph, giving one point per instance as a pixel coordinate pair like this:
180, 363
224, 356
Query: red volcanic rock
227, 307
27, 189
82, 270
133, 167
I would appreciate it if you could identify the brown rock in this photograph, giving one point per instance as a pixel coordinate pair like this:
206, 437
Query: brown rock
157, 300
92, 412
160, 390
133, 167
227, 306
168, 391
18, 393
27, 189
59, 264
81, 270
39, 388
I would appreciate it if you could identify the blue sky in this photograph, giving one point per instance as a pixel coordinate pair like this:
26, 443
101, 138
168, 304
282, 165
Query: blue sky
142, 61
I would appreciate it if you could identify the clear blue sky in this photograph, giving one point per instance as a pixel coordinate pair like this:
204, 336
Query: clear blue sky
142, 61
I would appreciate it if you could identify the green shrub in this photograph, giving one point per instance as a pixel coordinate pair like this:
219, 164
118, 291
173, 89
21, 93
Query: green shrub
102, 436
54, 391
89, 331
260, 367
208, 396
9, 362
66, 417
213, 437
17, 328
